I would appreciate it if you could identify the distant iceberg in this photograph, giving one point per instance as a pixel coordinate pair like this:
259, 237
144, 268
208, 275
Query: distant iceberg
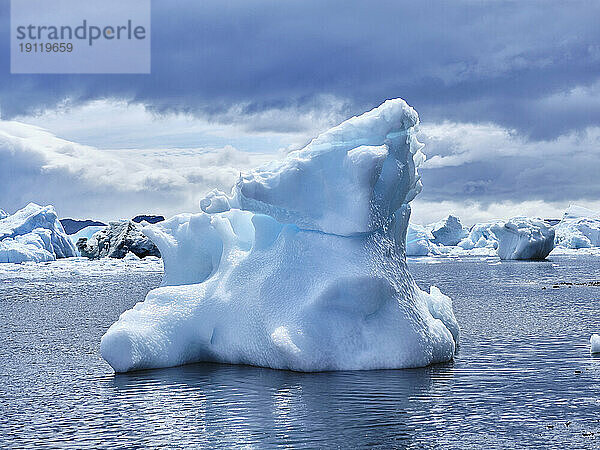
524, 238
480, 236
579, 228
33, 233
595, 343
448, 232
517, 238
115, 241
302, 267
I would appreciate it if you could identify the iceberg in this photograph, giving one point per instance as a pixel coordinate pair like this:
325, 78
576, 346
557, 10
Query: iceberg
35, 246
524, 238
302, 267
480, 236
579, 228
116, 240
33, 233
595, 343
418, 240
448, 232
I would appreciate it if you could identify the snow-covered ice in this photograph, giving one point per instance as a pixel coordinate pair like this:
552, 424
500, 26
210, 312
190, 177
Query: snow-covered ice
524, 238
33, 233
116, 240
302, 267
595, 343
579, 228
448, 232
348, 180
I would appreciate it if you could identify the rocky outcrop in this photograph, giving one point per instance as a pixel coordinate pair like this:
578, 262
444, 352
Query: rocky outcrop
116, 240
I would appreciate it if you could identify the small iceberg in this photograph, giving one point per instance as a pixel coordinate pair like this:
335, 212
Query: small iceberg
448, 232
595, 344
579, 228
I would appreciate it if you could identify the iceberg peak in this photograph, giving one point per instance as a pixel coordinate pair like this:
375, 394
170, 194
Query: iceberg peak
348, 180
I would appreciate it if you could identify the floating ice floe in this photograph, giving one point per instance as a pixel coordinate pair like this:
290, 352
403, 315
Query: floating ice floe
579, 228
33, 233
302, 267
116, 240
595, 343
524, 238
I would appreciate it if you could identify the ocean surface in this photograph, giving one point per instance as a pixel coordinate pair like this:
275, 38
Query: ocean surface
523, 376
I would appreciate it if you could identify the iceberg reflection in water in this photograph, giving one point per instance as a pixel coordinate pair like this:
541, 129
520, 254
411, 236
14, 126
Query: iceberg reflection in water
242, 405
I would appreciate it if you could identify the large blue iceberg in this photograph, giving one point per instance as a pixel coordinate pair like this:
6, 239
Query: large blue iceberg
301, 267
33, 233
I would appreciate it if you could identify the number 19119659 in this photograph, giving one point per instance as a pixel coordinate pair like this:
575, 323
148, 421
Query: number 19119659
47, 47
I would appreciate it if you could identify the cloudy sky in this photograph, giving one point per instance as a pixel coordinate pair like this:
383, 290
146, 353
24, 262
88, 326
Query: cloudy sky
508, 94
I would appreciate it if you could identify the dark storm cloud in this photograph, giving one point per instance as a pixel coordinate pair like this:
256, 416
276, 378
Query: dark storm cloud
487, 164
464, 61
526, 73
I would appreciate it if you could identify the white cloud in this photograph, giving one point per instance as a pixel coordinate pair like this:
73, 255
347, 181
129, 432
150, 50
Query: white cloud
86, 181
119, 124
167, 162
425, 212
108, 159
454, 144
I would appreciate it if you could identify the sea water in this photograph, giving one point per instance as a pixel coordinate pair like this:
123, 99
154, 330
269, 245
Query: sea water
523, 375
